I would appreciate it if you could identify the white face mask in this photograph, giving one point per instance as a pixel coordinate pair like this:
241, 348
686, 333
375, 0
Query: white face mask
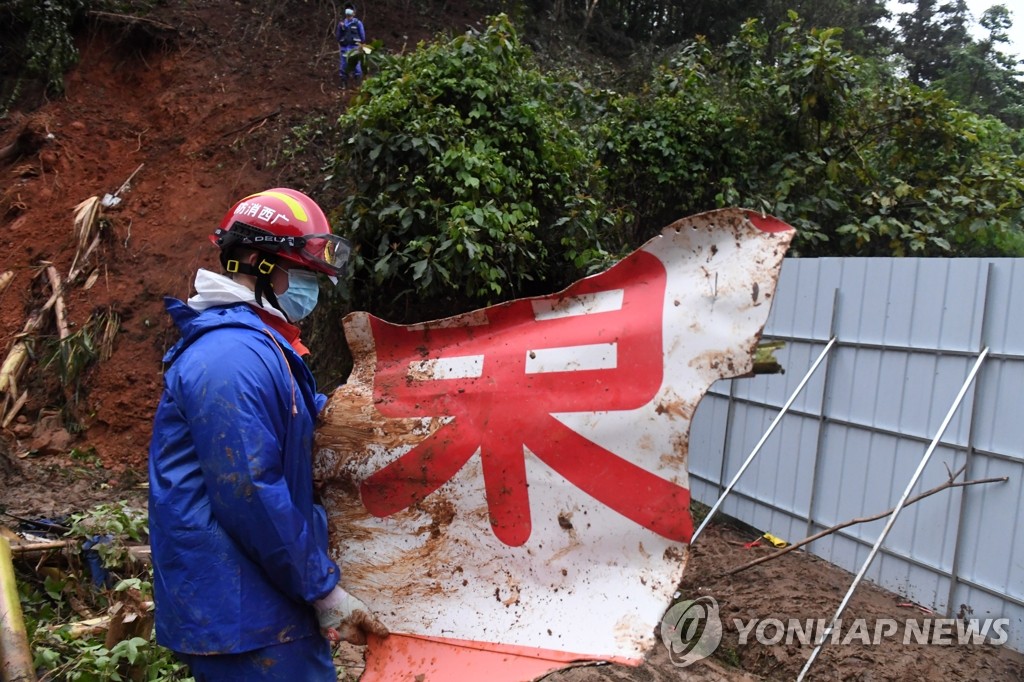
301, 296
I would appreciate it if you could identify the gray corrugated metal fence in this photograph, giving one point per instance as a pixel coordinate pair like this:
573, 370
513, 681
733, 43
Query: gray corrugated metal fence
908, 332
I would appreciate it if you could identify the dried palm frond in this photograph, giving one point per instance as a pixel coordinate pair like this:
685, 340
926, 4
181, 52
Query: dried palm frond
87, 218
108, 324
88, 222
15, 408
93, 341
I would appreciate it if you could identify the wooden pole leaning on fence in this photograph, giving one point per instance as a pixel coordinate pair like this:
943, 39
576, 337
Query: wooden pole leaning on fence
951, 483
15, 654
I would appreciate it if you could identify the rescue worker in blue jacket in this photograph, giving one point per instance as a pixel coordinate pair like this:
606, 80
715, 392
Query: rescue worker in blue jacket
243, 583
350, 35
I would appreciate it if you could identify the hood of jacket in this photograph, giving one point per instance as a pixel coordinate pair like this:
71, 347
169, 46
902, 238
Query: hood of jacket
232, 305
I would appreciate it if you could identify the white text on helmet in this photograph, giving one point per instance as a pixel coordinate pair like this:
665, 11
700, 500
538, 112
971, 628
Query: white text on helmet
257, 210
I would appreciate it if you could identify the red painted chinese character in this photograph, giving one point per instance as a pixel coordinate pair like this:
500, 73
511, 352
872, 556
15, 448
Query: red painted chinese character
508, 402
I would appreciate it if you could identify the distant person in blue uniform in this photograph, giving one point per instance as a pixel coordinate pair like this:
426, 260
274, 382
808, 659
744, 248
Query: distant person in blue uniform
350, 35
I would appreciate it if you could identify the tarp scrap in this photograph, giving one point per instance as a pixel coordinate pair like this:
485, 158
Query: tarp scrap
508, 488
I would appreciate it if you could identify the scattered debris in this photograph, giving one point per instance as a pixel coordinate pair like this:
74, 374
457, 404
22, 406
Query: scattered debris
764, 358
912, 605
94, 571
95, 337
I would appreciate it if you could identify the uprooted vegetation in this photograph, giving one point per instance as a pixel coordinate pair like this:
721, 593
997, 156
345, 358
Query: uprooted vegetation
62, 354
85, 586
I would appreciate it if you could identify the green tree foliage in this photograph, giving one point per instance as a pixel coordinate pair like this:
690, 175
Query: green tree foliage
938, 52
860, 21
469, 177
622, 26
466, 183
37, 45
933, 37
983, 78
37, 42
931, 34
862, 163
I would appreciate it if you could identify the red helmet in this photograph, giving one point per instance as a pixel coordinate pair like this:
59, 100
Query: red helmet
288, 224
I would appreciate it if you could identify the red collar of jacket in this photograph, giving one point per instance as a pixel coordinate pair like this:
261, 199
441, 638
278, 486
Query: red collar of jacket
289, 331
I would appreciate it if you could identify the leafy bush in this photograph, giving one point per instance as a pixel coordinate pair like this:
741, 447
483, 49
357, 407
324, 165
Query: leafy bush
467, 184
859, 161
666, 148
470, 177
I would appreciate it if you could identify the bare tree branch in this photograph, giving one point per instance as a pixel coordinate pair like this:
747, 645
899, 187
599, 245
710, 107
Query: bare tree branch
951, 483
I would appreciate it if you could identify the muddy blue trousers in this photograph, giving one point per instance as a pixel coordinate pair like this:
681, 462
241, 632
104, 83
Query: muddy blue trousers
302, 660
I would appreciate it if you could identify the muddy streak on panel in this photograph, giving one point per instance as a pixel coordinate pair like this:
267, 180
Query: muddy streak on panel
350, 424
674, 406
680, 454
423, 571
728, 364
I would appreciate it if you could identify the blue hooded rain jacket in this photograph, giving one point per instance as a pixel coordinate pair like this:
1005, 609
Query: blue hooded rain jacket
239, 546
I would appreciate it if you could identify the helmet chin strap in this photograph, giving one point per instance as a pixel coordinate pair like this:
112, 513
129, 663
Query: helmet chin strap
262, 272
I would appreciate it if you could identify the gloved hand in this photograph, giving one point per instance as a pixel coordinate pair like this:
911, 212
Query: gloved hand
342, 616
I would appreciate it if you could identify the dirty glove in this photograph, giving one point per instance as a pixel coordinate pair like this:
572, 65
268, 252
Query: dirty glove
344, 617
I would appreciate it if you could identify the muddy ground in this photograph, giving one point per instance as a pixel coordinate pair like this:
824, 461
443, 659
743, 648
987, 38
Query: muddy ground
796, 585
190, 105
